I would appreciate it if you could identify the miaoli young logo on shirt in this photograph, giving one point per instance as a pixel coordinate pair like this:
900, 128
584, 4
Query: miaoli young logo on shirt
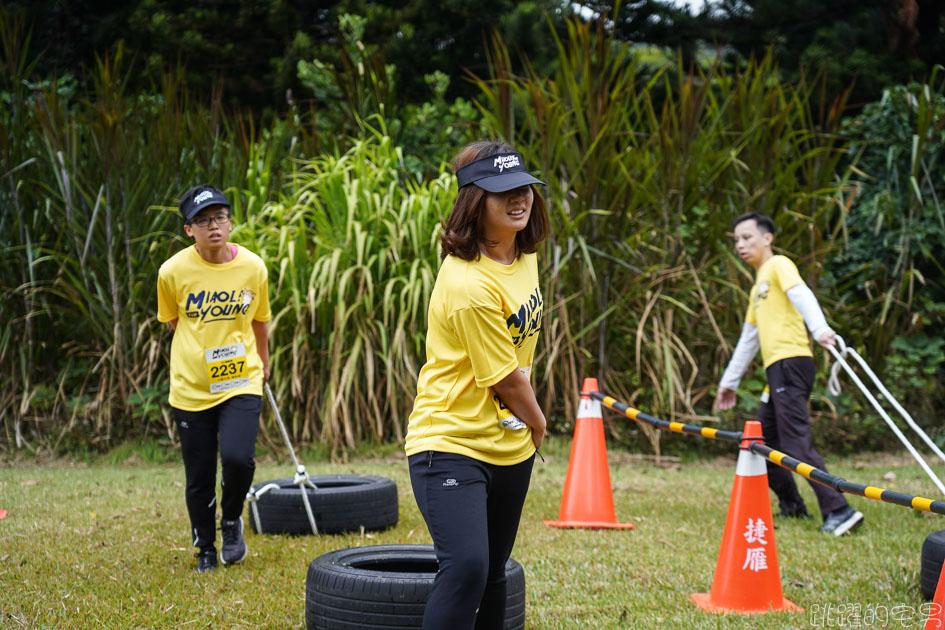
215, 306
527, 321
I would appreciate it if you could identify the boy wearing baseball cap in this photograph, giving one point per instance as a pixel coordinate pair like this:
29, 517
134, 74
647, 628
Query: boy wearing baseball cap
214, 294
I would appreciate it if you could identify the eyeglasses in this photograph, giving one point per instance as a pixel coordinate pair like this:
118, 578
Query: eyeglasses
220, 219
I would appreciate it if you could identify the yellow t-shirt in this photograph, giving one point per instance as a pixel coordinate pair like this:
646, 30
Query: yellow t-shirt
483, 322
781, 330
213, 353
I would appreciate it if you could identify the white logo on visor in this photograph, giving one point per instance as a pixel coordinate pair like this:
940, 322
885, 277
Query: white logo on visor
202, 196
506, 161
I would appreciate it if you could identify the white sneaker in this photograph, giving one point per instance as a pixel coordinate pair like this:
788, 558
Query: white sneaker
842, 521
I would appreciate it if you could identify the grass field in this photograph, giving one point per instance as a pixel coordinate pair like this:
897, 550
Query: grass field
107, 546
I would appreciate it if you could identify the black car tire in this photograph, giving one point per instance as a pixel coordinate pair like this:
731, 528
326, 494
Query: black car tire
385, 587
933, 552
339, 503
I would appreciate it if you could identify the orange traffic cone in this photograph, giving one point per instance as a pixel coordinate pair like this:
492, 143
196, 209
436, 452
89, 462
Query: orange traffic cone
936, 620
588, 500
747, 577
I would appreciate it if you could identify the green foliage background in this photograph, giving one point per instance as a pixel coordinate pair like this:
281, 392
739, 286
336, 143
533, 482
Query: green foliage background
249, 50
646, 167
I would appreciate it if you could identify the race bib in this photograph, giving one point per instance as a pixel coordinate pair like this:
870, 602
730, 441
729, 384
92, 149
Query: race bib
507, 419
226, 367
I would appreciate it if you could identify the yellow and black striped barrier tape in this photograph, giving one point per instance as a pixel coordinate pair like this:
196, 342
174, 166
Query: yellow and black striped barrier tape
675, 427
777, 457
842, 485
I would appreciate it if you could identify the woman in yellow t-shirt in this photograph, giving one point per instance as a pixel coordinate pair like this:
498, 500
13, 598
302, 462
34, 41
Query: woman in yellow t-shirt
476, 425
215, 295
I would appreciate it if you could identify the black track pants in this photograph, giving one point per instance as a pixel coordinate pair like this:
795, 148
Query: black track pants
785, 422
472, 510
236, 421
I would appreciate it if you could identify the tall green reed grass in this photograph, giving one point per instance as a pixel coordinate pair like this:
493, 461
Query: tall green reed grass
87, 180
645, 169
353, 252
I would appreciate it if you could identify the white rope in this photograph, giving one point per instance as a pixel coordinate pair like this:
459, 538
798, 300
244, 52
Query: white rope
833, 385
285, 434
302, 480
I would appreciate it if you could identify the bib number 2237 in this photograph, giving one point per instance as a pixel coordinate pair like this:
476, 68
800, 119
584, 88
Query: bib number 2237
226, 367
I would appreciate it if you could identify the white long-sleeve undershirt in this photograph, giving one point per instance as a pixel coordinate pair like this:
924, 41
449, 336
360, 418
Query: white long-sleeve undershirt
745, 350
806, 304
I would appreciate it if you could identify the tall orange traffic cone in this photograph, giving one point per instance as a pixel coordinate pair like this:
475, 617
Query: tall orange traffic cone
588, 500
936, 620
747, 577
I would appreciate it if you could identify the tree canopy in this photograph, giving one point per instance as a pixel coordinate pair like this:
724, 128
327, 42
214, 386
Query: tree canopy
873, 43
870, 43
253, 52
252, 49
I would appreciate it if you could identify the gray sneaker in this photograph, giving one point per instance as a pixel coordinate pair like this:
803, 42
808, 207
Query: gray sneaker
234, 547
206, 560
842, 521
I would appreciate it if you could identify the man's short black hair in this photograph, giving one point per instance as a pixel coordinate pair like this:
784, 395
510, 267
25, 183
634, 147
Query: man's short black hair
765, 223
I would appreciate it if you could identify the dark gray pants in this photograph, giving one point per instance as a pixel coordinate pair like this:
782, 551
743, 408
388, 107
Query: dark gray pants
785, 422
236, 421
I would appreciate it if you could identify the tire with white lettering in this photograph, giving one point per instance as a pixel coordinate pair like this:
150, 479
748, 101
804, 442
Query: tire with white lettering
933, 553
385, 587
339, 503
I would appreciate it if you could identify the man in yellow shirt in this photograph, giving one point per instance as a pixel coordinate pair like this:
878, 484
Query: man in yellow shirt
215, 295
779, 305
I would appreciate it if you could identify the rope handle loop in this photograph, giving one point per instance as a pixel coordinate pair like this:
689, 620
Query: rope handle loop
253, 495
833, 385
833, 381
842, 344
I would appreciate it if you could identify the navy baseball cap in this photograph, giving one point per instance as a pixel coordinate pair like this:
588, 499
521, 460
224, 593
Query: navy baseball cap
198, 198
496, 173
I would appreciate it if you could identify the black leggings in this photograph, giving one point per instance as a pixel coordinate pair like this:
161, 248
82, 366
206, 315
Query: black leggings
236, 420
472, 510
